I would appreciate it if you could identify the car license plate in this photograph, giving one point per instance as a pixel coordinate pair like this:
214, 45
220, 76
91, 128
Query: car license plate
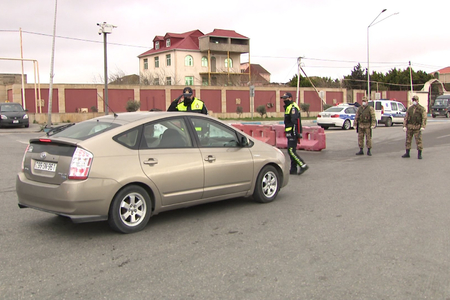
45, 166
15, 121
326, 115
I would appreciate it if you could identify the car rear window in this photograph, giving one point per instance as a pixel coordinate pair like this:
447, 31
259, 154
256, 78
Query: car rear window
85, 130
334, 109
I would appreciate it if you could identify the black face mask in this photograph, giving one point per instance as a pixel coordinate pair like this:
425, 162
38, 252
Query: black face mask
287, 101
187, 100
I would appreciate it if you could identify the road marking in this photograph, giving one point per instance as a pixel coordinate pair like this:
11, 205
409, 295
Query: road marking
443, 136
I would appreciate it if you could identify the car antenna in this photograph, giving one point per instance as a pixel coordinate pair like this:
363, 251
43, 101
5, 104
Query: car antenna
115, 115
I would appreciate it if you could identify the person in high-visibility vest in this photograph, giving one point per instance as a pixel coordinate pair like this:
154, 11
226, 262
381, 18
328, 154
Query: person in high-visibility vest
187, 103
293, 132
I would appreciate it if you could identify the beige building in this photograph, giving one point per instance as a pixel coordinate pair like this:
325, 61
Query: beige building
194, 58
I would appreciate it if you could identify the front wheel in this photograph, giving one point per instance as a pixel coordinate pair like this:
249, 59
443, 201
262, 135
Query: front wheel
130, 210
347, 125
267, 185
388, 122
434, 116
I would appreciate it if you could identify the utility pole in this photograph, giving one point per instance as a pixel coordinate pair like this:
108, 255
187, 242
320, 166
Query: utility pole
50, 89
105, 29
299, 60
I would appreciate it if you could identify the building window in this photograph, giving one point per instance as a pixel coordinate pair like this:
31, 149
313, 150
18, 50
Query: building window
204, 61
157, 45
156, 81
188, 61
228, 63
145, 63
168, 43
157, 62
168, 60
168, 81
189, 80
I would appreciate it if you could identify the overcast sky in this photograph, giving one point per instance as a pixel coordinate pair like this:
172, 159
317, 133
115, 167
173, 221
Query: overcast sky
331, 36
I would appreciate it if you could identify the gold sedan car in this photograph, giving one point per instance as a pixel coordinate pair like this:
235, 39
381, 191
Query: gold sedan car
126, 167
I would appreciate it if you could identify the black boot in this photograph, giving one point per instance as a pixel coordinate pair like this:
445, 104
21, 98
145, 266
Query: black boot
406, 154
302, 169
368, 152
360, 152
419, 155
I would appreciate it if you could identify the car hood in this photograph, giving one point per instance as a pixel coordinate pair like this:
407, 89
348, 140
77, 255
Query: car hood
13, 114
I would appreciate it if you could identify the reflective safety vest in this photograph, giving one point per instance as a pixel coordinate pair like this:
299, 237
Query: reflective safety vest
287, 120
196, 106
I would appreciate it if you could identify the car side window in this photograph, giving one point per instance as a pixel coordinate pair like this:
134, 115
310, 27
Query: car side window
394, 106
167, 133
350, 110
128, 138
212, 134
401, 107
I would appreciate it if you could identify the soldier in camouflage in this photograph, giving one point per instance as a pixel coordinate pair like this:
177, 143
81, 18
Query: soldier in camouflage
413, 124
365, 121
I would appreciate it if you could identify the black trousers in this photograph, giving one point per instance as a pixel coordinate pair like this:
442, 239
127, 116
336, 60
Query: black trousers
296, 160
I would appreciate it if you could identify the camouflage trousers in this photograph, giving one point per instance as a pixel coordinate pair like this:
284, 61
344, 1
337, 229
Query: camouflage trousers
417, 135
367, 132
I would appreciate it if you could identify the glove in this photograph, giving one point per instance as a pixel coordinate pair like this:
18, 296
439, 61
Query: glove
372, 127
404, 129
422, 129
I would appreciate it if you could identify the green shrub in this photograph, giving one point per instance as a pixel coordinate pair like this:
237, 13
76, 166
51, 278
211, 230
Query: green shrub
133, 105
261, 110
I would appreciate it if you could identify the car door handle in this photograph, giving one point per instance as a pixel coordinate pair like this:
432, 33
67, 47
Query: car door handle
210, 158
151, 161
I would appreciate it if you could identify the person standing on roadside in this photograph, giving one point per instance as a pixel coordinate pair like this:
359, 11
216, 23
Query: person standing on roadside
293, 132
187, 103
365, 121
413, 124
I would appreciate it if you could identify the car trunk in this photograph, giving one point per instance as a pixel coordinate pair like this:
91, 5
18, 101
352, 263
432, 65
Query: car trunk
48, 161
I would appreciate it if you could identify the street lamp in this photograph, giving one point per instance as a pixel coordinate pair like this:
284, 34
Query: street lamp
368, 68
105, 29
368, 61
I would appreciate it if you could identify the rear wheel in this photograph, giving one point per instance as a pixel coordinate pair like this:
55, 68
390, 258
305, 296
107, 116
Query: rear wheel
347, 125
388, 122
267, 185
130, 210
434, 116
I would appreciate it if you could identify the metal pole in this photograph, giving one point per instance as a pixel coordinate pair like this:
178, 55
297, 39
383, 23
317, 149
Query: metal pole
410, 76
106, 73
50, 89
298, 79
368, 60
23, 76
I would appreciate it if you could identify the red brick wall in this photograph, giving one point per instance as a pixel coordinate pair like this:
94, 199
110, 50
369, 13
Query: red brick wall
338, 96
212, 100
314, 101
80, 98
117, 99
30, 100
244, 97
153, 99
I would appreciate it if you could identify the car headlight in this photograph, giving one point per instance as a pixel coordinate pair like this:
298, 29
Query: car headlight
25, 116
3, 117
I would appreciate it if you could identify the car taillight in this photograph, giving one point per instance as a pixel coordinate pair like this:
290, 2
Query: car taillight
319, 116
335, 116
24, 155
80, 164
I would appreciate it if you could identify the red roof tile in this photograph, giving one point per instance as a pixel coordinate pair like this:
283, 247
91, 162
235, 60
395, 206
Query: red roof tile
226, 33
444, 71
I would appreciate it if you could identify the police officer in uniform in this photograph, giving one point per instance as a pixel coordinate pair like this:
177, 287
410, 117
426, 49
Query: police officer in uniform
365, 121
293, 131
186, 102
413, 124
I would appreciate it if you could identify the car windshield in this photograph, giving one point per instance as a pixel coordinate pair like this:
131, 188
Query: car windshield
11, 107
85, 130
334, 109
441, 102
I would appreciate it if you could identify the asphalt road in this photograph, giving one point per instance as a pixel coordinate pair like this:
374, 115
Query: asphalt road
351, 227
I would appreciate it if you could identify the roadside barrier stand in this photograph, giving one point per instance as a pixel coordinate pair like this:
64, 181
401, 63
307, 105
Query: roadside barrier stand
313, 139
263, 133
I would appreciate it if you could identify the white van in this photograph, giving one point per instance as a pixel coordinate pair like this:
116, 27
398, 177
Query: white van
388, 112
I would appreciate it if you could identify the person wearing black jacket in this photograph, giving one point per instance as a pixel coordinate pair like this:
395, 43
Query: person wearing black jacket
187, 103
293, 132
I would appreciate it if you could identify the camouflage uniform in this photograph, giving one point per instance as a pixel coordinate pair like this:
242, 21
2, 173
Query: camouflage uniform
365, 119
415, 119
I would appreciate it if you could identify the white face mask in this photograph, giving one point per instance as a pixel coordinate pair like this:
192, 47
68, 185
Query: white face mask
364, 103
414, 102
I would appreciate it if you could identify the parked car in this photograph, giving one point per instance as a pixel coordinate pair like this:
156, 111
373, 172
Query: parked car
127, 167
342, 115
388, 112
441, 106
13, 115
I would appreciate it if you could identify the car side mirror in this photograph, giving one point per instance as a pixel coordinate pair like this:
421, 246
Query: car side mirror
244, 141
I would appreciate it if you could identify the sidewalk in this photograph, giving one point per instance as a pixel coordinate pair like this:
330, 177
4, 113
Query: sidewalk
32, 128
